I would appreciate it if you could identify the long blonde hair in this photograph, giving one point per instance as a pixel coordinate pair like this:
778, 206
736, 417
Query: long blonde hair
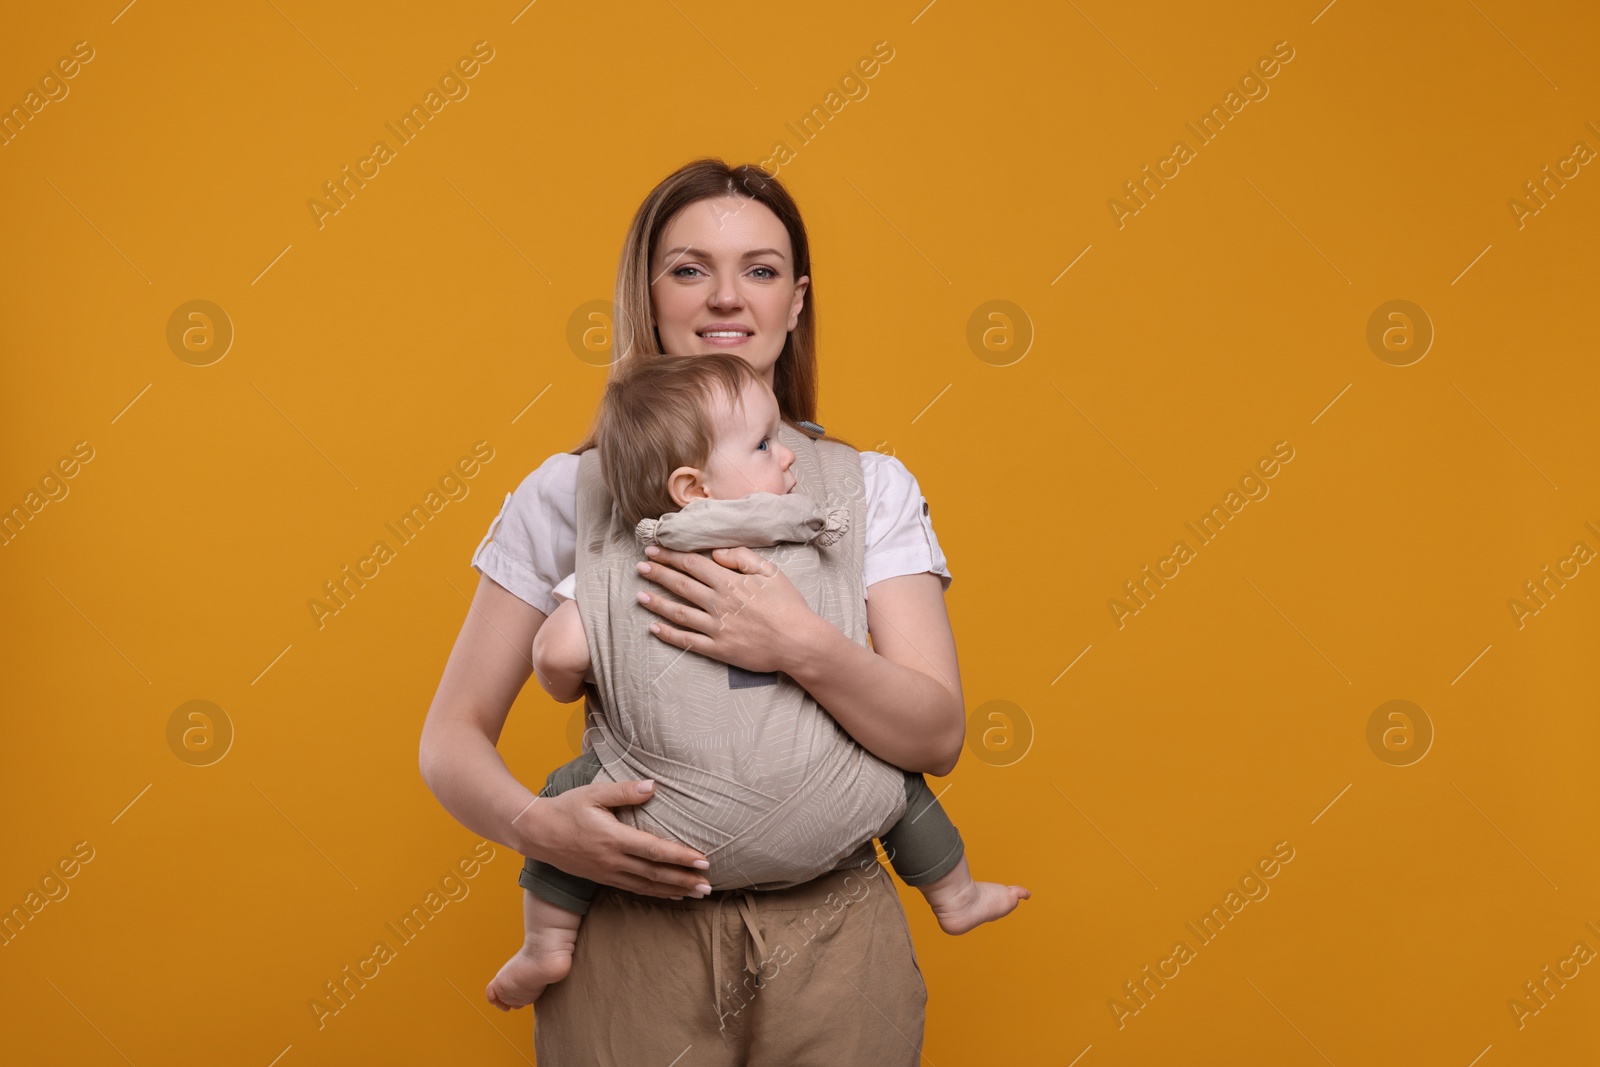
634, 335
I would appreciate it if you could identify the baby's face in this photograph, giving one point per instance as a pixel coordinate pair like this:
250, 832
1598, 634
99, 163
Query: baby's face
747, 456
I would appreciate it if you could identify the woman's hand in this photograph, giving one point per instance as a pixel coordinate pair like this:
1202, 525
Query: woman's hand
742, 609
575, 831
578, 833
900, 699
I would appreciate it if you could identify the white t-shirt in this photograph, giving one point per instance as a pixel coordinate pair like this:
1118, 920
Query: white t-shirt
532, 544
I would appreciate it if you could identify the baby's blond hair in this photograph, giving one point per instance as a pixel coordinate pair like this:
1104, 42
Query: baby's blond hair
656, 417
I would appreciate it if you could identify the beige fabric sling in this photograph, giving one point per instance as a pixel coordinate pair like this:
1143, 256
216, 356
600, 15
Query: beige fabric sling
748, 768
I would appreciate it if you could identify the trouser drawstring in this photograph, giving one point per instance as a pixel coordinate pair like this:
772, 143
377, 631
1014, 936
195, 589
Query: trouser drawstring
755, 949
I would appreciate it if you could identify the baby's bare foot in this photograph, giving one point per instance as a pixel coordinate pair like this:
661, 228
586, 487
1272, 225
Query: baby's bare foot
969, 904
527, 974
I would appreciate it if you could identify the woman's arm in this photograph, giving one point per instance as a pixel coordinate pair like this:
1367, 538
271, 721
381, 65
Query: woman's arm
575, 831
901, 699
904, 693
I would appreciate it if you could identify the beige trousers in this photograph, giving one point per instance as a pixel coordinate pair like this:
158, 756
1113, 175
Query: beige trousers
819, 975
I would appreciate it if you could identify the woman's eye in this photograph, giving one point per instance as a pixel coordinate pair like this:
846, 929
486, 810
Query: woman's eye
770, 272
680, 270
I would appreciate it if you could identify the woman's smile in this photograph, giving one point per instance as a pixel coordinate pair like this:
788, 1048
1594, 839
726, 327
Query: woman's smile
725, 334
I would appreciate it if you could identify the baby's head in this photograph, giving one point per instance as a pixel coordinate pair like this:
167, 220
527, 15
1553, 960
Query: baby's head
672, 429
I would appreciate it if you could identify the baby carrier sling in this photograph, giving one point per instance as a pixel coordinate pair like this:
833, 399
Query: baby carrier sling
749, 769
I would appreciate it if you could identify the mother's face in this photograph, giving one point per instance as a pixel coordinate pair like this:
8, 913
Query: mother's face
725, 266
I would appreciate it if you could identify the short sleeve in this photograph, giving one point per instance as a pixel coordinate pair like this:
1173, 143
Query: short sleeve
899, 534
533, 541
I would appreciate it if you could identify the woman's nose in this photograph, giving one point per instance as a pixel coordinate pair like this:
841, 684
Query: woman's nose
725, 294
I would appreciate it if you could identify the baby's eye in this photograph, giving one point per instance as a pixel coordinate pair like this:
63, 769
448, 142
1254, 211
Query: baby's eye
764, 441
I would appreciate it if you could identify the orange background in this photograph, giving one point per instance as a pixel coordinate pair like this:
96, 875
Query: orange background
1230, 313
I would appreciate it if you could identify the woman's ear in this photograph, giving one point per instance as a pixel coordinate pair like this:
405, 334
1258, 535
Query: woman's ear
800, 287
686, 484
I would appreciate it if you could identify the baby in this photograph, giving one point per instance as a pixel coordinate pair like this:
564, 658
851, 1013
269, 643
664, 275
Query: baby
727, 449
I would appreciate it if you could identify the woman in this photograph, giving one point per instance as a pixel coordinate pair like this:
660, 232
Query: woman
716, 260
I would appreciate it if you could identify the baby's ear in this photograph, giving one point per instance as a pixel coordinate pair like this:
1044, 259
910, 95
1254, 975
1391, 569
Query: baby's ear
686, 484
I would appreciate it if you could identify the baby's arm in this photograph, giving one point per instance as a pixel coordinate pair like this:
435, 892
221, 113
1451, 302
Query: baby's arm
561, 653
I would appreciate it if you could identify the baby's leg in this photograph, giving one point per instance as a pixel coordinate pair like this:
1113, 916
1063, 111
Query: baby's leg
927, 853
959, 903
551, 883
549, 934
552, 907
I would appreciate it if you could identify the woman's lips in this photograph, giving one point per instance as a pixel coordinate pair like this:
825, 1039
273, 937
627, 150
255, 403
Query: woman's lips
724, 341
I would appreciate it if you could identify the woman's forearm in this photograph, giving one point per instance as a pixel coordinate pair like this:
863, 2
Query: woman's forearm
458, 759
901, 699
464, 771
575, 831
900, 714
